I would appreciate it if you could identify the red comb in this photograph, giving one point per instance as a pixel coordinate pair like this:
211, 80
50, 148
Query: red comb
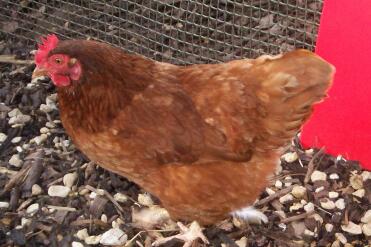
47, 44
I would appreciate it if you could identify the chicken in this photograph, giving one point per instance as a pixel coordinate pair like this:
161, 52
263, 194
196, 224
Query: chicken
204, 139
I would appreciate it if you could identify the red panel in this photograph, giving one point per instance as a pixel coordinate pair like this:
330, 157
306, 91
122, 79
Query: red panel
343, 122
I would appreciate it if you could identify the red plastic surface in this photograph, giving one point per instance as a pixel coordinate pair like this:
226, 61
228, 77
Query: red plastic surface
342, 123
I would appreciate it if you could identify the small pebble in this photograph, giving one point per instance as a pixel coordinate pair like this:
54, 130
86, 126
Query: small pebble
333, 194
117, 223
16, 139
366, 218
93, 240
49, 125
366, 175
366, 229
15, 160
356, 181
84, 191
287, 184
19, 119
2, 137
309, 207
339, 236
319, 189
329, 227
14, 112
317, 217
25, 221
45, 108
145, 199
114, 236
308, 233
290, 157
327, 204
269, 191
36, 190
104, 218
340, 203
77, 244
334, 176
299, 191
32, 209
40, 139
82, 234
44, 130
296, 206
359, 193
286, 198
242, 242
4, 204
352, 228
69, 179
19, 149
318, 176
58, 191
278, 184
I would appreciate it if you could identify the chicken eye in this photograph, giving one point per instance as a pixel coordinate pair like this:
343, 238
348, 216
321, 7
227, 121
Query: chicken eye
58, 60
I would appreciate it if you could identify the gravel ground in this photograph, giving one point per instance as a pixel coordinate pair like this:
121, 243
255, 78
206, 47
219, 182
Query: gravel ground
53, 196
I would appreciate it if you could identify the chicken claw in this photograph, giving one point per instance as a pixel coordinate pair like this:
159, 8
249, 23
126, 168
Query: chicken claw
187, 234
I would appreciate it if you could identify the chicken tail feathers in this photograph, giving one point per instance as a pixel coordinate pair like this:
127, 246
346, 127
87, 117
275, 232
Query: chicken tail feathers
288, 87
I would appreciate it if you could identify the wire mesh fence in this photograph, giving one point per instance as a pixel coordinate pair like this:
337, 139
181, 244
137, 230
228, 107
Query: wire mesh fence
176, 31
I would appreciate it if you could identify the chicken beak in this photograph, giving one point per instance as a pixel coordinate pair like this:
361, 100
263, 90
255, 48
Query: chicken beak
39, 72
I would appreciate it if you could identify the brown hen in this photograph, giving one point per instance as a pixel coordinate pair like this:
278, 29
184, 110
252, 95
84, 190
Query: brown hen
204, 139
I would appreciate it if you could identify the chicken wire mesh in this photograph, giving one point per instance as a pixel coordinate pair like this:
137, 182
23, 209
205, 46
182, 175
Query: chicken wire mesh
182, 32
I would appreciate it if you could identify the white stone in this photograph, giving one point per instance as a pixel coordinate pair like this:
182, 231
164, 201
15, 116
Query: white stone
352, 228
82, 234
45, 108
93, 240
340, 203
356, 181
25, 221
69, 179
287, 184
145, 199
44, 130
58, 191
19, 149
308, 232
296, 206
104, 218
318, 176
333, 194
329, 227
114, 236
19, 119
334, 176
15, 160
77, 244
366, 229
2, 137
16, 139
50, 125
4, 204
317, 217
36, 190
242, 242
40, 139
319, 189
117, 223
32, 209
366, 218
278, 184
290, 157
269, 191
309, 207
339, 236
299, 191
327, 204
14, 112
286, 198
359, 193
366, 175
